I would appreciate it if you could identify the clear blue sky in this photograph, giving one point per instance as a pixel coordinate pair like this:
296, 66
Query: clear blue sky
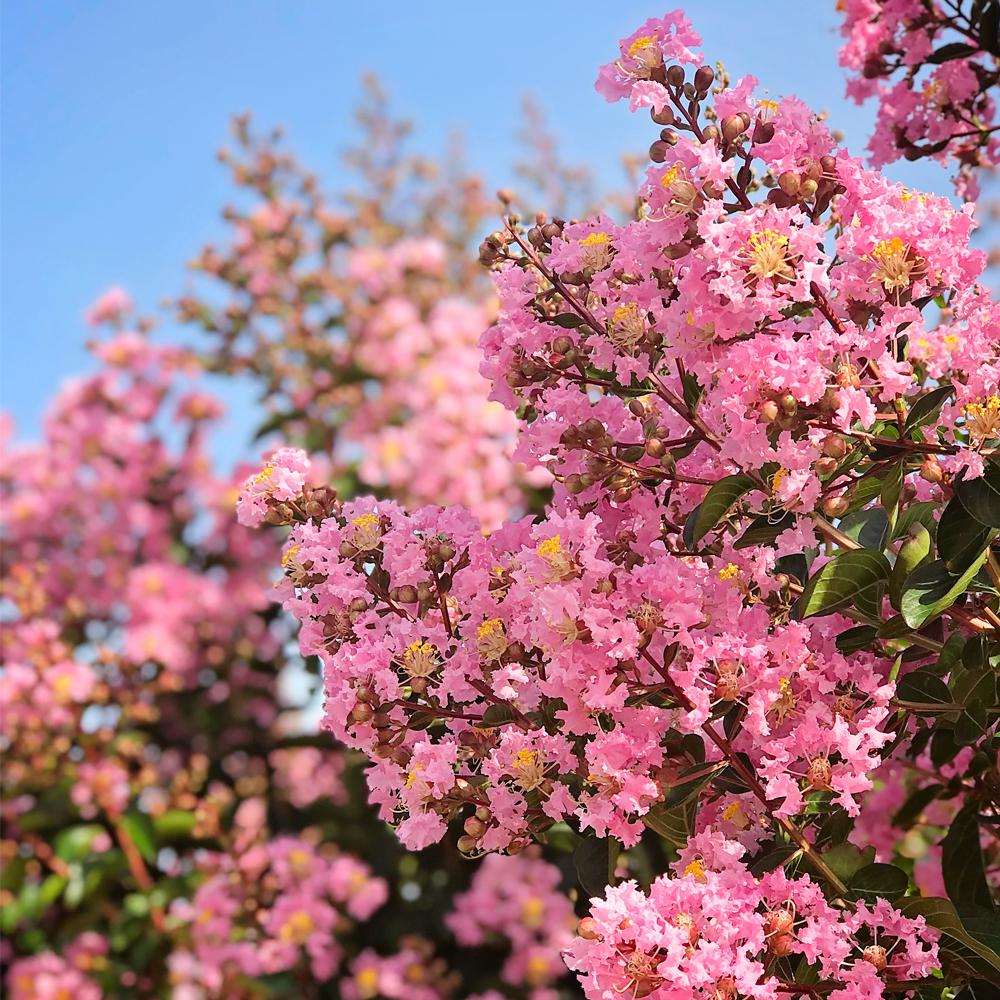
112, 111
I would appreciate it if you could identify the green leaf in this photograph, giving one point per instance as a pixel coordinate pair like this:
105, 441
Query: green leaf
595, 859
878, 880
568, 321
859, 637
981, 497
689, 782
922, 512
841, 581
926, 409
717, 502
765, 529
139, 828
174, 824
960, 537
675, 824
956, 944
914, 552
912, 808
845, 860
953, 50
869, 527
924, 689
962, 861
497, 715
931, 589
73, 843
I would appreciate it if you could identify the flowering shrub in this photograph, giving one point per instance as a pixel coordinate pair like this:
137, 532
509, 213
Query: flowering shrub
934, 68
768, 571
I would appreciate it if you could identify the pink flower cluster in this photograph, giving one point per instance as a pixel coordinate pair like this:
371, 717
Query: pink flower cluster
529, 663
712, 929
517, 900
272, 907
48, 976
929, 67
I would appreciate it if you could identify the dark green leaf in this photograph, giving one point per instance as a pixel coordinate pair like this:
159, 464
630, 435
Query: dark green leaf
568, 321
912, 808
689, 782
924, 689
674, 825
960, 537
962, 861
869, 527
765, 529
841, 581
497, 715
981, 497
953, 50
717, 502
859, 637
878, 880
596, 859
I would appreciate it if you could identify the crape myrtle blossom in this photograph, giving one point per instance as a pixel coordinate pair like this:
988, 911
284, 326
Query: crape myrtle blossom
154, 783
273, 907
531, 659
933, 69
710, 928
517, 900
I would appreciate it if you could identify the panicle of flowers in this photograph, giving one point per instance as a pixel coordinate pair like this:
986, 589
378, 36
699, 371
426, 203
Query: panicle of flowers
710, 928
276, 906
518, 900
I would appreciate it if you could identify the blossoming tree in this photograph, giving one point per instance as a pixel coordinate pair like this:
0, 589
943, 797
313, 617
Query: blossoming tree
757, 629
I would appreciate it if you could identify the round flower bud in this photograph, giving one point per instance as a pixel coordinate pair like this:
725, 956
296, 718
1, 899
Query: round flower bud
835, 506
876, 955
931, 471
834, 446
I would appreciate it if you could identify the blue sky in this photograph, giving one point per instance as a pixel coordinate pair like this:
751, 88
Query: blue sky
112, 111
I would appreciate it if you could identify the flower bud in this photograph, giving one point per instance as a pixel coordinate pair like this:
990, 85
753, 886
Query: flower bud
663, 117
769, 411
474, 826
876, 955
655, 448
732, 127
931, 471
834, 446
835, 506
588, 929
789, 182
704, 77
675, 76
781, 945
